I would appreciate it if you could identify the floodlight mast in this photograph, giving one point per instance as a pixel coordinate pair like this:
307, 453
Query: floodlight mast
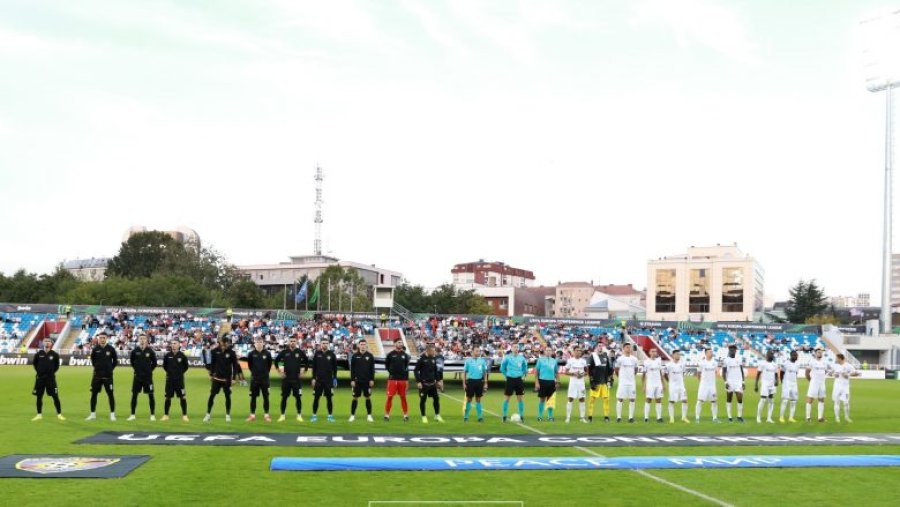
883, 74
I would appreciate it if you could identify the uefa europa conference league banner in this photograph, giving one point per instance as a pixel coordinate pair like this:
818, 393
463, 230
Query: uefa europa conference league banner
527, 440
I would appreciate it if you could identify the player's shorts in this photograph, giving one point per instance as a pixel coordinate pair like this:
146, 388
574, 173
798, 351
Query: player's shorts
397, 387
142, 385
677, 393
734, 387
816, 390
474, 388
362, 389
841, 393
291, 387
175, 387
654, 392
220, 385
625, 392
767, 390
259, 386
323, 388
428, 389
514, 385
98, 383
707, 393
789, 392
600, 391
45, 384
546, 388
576, 388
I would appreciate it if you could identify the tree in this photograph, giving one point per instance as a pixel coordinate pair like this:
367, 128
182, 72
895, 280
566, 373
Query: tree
143, 255
412, 297
807, 300
336, 286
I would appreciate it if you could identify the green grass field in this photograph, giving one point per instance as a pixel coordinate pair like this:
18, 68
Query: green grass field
229, 475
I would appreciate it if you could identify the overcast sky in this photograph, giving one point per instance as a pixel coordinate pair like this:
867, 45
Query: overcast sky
574, 139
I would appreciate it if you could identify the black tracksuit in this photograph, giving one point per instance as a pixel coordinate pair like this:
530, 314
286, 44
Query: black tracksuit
294, 361
602, 372
143, 362
104, 360
46, 364
362, 372
223, 368
428, 371
324, 369
175, 366
397, 365
259, 364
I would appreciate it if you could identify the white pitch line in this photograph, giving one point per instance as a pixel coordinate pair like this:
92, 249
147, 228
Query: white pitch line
639, 472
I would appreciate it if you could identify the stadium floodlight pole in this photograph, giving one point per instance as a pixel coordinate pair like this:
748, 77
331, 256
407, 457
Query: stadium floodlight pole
882, 55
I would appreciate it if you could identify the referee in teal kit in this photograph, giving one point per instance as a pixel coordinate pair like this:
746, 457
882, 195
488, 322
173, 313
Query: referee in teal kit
475, 381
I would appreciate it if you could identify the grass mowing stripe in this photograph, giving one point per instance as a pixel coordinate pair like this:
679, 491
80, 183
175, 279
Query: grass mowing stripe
594, 453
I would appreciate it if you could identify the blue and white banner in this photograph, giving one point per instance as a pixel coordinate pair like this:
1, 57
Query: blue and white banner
558, 463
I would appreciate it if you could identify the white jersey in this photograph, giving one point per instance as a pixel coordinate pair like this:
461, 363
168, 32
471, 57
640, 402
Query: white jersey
626, 365
575, 366
790, 369
842, 374
653, 370
675, 372
818, 369
708, 370
768, 371
733, 373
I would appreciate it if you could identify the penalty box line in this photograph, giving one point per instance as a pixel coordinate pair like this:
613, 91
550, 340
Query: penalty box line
643, 473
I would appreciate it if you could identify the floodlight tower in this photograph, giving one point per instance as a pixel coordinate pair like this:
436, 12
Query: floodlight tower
882, 55
317, 245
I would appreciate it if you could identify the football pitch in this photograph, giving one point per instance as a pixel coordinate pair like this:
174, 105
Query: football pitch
219, 475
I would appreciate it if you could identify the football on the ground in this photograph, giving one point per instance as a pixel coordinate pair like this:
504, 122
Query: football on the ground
515, 418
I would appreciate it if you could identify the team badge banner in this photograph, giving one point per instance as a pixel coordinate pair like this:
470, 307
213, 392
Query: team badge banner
56, 466
557, 463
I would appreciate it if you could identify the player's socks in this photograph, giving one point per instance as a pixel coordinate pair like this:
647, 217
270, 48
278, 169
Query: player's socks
847, 411
479, 411
541, 409
808, 410
671, 412
568, 411
697, 410
619, 409
550, 413
353, 405
821, 410
658, 411
728, 409
715, 411
521, 409
581, 409
759, 408
793, 410
781, 411
646, 411
740, 409
771, 408
466, 411
505, 408
837, 411
631, 407
684, 411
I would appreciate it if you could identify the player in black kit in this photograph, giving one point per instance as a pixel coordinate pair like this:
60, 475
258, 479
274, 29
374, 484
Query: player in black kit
104, 361
46, 364
223, 367
291, 363
175, 364
259, 362
143, 362
362, 379
324, 369
429, 374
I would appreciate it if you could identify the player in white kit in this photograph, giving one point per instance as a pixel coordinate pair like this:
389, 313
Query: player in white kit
816, 370
677, 393
653, 385
768, 373
626, 366
789, 390
733, 371
840, 392
576, 368
707, 370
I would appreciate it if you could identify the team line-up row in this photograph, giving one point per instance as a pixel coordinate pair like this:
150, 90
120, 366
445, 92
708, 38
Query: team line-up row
595, 372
